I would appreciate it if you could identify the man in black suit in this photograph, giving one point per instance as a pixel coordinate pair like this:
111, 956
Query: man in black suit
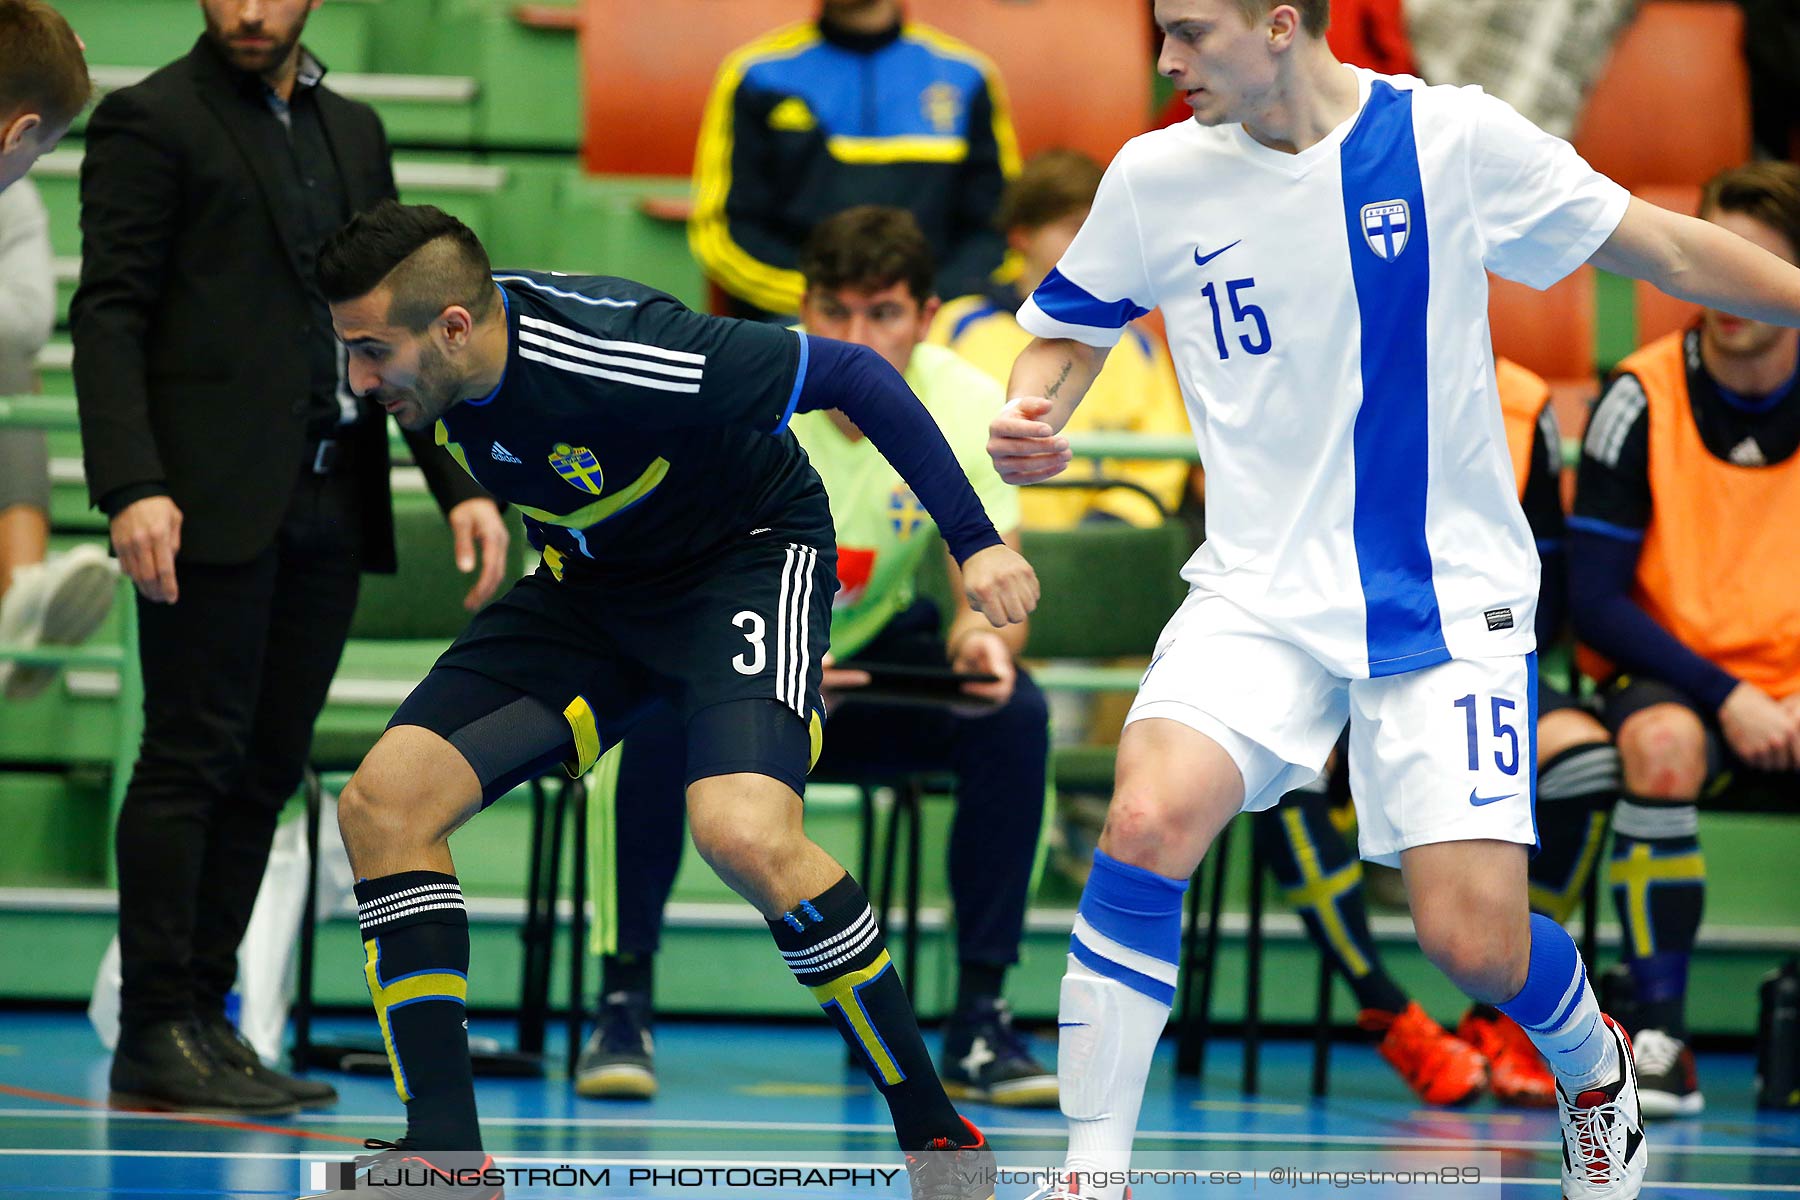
247, 488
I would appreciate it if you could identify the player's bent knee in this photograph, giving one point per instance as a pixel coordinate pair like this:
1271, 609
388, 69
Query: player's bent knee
749, 855
411, 791
1485, 966
744, 826
1139, 824
1664, 751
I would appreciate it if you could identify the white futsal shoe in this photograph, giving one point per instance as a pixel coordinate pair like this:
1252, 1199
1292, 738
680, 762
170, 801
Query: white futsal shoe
1604, 1153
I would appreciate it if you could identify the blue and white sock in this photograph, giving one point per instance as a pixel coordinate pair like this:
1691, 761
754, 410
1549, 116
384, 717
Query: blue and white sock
1557, 1009
1116, 998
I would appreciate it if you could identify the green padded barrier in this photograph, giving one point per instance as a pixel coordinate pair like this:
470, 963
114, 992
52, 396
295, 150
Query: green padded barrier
523, 224
530, 78
424, 599
75, 721
1107, 589
472, 191
54, 829
54, 367
1615, 319
403, 622
601, 229
419, 110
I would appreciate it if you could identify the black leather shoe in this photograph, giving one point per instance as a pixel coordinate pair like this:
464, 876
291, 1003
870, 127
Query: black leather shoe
164, 1067
399, 1172
221, 1039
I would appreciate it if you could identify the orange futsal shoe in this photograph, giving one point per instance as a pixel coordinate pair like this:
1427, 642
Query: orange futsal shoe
1517, 1073
1440, 1067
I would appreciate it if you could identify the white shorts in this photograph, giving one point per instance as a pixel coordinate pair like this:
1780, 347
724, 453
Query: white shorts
1443, 754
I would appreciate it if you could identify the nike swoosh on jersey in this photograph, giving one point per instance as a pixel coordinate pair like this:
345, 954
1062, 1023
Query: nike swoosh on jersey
1479, 801
1200, 261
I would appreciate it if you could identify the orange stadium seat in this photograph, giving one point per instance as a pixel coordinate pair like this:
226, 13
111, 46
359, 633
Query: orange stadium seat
1552, 333
1658, 313
1089, 92
646, 71
648, 68
1673, 104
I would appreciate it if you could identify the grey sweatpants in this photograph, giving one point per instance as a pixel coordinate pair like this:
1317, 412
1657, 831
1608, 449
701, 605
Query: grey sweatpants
24, 469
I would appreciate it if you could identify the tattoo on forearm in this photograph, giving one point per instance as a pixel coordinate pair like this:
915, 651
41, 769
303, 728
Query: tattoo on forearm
1050, 392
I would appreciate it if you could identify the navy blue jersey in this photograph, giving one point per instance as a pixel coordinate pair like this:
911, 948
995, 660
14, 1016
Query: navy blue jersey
636, 436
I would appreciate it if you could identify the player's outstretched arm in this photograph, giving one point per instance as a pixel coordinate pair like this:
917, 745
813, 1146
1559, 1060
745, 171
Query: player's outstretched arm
861, 384
1698, 261
1049, 378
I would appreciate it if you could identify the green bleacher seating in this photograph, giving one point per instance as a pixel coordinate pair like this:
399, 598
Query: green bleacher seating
604, 227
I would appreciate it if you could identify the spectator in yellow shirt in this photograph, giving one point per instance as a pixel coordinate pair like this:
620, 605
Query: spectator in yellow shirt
1136, 392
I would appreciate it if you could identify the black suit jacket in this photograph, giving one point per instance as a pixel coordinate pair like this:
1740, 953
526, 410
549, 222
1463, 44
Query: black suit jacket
192, 320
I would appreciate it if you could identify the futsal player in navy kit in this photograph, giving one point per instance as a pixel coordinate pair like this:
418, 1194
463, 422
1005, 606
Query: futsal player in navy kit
687, 555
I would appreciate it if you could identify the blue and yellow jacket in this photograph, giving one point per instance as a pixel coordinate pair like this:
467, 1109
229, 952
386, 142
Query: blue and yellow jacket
810, 120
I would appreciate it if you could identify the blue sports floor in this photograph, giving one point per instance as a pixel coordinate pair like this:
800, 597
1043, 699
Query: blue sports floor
766, 1094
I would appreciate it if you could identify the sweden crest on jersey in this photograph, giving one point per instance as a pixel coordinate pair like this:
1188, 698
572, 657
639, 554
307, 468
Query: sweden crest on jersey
1386, 226
578, 467
908, 514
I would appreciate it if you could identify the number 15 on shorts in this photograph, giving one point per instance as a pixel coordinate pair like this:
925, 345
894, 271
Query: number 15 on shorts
1502, 737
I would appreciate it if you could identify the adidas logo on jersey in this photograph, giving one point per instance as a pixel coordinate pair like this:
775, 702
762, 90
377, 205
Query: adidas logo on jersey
502, 454
1748, 454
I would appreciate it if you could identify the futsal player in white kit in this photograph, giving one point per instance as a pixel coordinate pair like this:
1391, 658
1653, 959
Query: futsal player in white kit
1318, 238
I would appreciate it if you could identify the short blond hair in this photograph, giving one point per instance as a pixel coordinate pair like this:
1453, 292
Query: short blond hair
1315, 15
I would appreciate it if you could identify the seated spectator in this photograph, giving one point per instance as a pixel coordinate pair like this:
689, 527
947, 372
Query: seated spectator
1577, 783
857, 107
61, 599
868, 273
1136, 391
1685, 548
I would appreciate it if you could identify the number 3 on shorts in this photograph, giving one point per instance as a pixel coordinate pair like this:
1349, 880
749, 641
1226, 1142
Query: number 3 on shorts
753, 625
1503, 712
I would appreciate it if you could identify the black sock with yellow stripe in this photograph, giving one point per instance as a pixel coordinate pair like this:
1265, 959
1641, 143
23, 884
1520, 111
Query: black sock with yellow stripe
415, 934
834, 947
1659, 888
1576, 791
1321, 876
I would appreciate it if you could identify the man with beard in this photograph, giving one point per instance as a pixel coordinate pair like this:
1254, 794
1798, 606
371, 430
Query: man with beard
247, 488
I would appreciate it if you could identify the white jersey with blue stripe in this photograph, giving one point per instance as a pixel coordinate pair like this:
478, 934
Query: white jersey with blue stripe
1327, 312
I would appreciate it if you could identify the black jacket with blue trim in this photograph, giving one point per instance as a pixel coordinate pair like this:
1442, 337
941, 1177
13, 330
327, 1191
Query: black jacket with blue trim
810, 120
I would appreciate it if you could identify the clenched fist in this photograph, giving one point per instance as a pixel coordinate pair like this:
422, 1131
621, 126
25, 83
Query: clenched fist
1000, 585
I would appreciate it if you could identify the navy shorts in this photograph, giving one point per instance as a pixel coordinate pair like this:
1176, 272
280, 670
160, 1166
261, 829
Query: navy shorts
578, 661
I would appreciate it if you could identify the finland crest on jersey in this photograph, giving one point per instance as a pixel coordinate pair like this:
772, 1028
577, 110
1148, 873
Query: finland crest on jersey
1385, 227
1327, 313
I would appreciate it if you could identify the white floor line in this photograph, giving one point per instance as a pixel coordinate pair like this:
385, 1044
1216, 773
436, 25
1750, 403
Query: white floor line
1377, 1141
1764, 1189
